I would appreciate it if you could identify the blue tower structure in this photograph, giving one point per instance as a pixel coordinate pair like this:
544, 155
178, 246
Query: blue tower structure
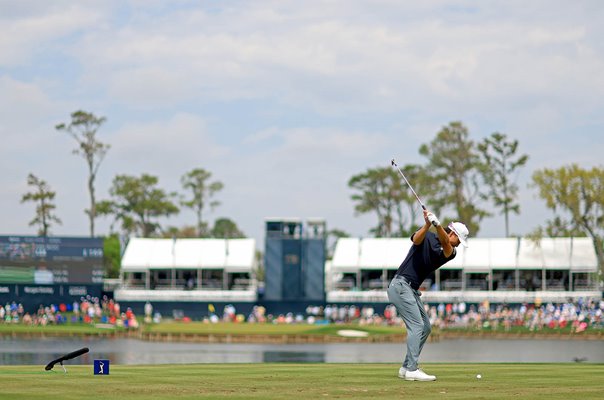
294, 263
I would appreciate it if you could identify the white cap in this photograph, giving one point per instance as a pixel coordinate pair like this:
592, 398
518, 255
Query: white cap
461, 231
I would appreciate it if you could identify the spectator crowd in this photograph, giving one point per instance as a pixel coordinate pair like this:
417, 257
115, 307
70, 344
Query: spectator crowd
88, 310
579, 315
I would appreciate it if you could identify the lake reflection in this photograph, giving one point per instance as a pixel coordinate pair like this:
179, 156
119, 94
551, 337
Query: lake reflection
132, 351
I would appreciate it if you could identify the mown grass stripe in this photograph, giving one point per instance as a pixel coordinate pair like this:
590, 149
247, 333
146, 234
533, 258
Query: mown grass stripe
279, 381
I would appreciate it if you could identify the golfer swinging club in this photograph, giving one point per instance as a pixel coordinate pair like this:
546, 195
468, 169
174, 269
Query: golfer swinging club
428, 253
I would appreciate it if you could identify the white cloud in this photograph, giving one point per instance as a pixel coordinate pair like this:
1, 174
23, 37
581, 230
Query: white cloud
164, 147
18, 101
326, 63
304, 174
28, 28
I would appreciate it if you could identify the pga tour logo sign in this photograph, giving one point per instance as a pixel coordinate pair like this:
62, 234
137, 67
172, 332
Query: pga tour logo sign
101, 367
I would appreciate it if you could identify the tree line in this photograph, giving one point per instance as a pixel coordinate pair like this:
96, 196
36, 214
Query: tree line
135, 202
456, 181
460, 180
467, 181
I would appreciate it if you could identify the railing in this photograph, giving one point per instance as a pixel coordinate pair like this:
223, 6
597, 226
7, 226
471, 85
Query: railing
584, 284
140, 294
377, 284
470, 296
344, 285
477, 284
452, 285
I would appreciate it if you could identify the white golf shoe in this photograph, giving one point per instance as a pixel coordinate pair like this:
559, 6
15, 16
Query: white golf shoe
418, 375
401, 372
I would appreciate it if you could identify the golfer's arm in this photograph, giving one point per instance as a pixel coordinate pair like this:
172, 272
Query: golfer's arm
444, 240
419, 236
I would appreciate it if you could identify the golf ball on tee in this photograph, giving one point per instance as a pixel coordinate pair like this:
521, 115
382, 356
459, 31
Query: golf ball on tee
478, 376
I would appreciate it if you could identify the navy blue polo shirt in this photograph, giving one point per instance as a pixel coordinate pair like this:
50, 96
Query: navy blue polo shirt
423, 259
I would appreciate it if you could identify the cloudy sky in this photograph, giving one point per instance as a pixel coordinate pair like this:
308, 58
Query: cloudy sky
284, 101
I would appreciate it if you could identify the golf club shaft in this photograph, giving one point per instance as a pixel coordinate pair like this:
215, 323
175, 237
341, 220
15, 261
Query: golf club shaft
408, 184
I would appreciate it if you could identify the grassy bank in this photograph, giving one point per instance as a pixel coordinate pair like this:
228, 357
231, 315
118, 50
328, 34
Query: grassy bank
267, 329
201, 329
311, 381
63, 329
223, 332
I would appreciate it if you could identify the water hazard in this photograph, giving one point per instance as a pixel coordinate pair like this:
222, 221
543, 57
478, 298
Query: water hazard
20, 351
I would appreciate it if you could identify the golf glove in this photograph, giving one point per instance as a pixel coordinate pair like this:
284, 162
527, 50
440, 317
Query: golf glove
433, 220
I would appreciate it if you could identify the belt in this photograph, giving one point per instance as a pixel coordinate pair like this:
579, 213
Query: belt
404, 279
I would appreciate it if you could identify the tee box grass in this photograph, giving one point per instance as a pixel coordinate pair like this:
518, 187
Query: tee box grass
304, 381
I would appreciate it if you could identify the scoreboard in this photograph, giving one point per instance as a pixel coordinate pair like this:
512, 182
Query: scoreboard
51, 260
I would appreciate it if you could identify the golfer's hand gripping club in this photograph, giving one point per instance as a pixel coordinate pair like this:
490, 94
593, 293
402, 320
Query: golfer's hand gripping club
433, 220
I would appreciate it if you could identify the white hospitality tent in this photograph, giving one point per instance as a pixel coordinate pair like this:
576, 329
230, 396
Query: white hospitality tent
171, 263
562, 265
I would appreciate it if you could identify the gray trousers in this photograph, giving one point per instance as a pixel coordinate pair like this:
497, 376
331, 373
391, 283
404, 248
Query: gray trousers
411, 309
